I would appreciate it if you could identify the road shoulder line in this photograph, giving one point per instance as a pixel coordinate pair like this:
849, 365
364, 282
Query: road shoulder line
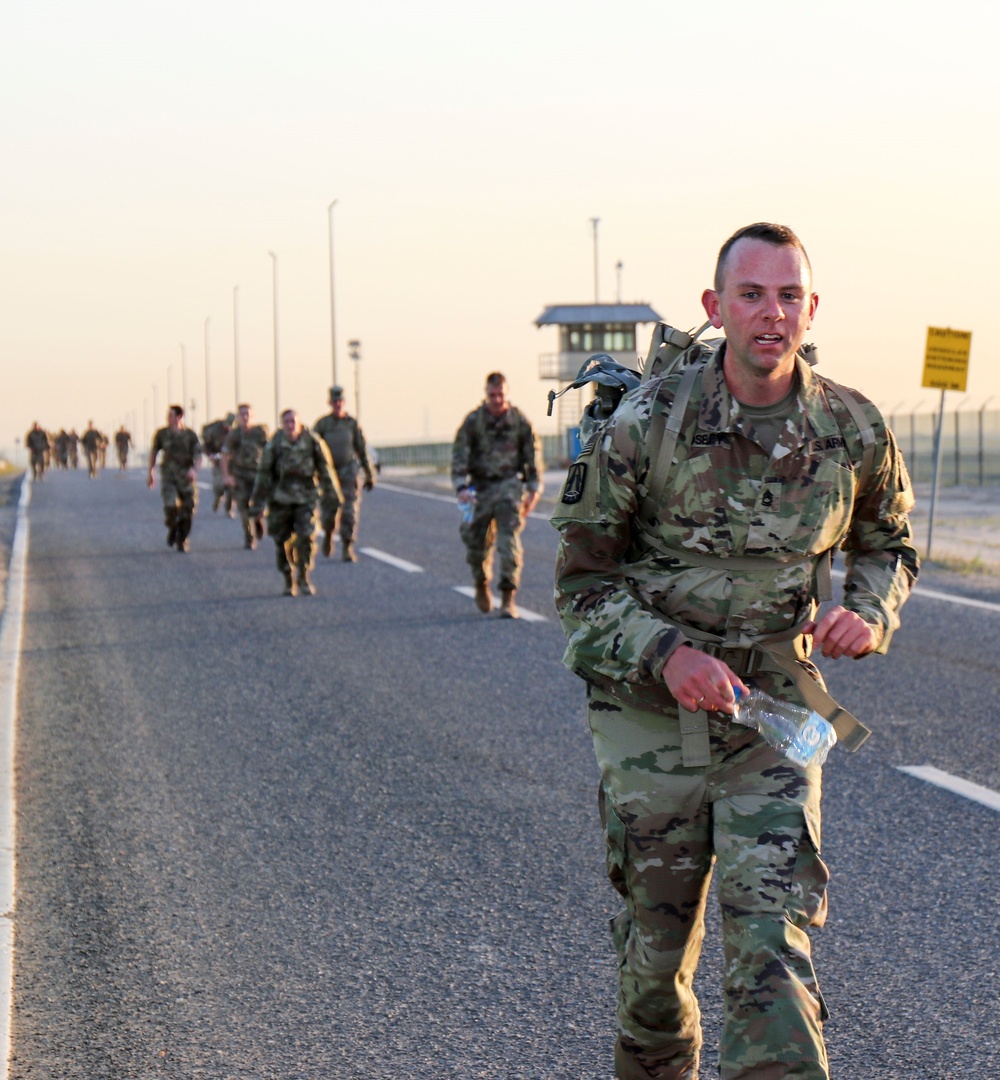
10, 656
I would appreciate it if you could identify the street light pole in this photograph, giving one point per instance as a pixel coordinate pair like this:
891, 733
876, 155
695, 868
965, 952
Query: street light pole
277, 406
236, 340
333, 318
355, 355
208, 381
184, 381
594, 221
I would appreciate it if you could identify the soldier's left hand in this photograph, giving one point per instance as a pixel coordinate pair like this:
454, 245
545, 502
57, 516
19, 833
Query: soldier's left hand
840, 632
369, 483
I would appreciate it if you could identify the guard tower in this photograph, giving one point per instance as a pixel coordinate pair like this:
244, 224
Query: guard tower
585, 329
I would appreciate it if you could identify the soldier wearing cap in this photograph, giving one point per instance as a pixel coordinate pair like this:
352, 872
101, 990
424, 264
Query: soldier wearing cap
181, 453
295, 470
213, 437
349, 451
92, 441
496, 453
37, 442
123, 440
239, 460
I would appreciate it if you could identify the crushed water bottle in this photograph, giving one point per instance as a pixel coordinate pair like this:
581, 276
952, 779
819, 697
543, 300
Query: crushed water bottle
468, 509
800, 733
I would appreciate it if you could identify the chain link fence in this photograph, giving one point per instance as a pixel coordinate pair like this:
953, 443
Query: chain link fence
970, 448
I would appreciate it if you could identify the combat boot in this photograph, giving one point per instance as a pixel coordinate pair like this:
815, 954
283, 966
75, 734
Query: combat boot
347, 551
171, 527
327, 546
508, 609
483, 599
289, 589
183, 528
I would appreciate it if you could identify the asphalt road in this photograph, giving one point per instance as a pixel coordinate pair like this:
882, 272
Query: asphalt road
354, 835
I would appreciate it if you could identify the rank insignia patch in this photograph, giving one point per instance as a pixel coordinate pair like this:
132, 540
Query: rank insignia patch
573, 488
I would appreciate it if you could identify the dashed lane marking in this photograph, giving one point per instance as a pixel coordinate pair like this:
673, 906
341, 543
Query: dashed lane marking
948, 598
955, 784
527, 616
400, 564
441, 498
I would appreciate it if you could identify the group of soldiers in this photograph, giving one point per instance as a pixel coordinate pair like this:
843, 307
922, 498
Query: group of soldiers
63, 449
285, 477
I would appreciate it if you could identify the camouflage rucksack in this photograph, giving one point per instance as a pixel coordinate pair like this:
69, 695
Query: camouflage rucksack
672, 350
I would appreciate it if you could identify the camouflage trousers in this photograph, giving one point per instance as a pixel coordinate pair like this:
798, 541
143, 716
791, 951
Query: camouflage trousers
92, 461
292, 526
37, 464
220, 493
180, 498
496, 524
240, 494
754, 816
349, 510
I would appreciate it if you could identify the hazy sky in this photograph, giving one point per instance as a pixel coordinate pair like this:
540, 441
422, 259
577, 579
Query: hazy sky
153, 154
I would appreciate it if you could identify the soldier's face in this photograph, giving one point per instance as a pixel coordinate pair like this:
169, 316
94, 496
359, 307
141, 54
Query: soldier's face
244, 415
496, 399
766, 305
290, 424
339, 406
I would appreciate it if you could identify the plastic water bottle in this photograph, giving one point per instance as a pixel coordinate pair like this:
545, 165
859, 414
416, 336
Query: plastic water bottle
800, 733
468, 509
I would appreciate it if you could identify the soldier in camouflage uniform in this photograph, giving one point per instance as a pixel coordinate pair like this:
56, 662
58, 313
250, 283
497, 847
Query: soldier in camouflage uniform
74, 447
495, 452
92, 440
240, 458
295, 469
181, 452
346, 442
669, 603
213, 437
37, 442
123, 440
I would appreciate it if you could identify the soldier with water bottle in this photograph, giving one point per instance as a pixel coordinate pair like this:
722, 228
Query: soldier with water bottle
686, 577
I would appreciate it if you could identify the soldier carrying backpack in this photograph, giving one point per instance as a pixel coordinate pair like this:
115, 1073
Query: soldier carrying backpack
696, 531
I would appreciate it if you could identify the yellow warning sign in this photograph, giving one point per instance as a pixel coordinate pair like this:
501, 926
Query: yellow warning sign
946, 362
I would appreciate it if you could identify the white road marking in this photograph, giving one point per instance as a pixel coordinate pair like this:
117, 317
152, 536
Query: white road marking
965, 788
527, 616
948, 598
10, 658
442, 498
400, 564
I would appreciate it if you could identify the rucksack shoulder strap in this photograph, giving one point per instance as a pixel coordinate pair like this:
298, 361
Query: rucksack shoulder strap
664, 428
865, 430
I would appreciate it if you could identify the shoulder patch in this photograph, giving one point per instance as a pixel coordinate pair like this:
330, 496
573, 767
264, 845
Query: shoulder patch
573, 488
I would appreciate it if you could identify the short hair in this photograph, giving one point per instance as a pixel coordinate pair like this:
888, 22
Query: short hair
177, 410
287, 412
778, 235
242, 405
495, 378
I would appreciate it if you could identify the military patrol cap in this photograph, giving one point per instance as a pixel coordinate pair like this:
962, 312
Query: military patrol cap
336, 393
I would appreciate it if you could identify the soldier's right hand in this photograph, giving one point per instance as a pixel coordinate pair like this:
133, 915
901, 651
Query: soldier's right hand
699, 681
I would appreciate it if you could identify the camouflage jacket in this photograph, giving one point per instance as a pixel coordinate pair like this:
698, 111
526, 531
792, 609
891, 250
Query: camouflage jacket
213, 436
489, 449
296, 472
244, 449
346, 442
179, 451
92, 440
630, 577
37, 441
